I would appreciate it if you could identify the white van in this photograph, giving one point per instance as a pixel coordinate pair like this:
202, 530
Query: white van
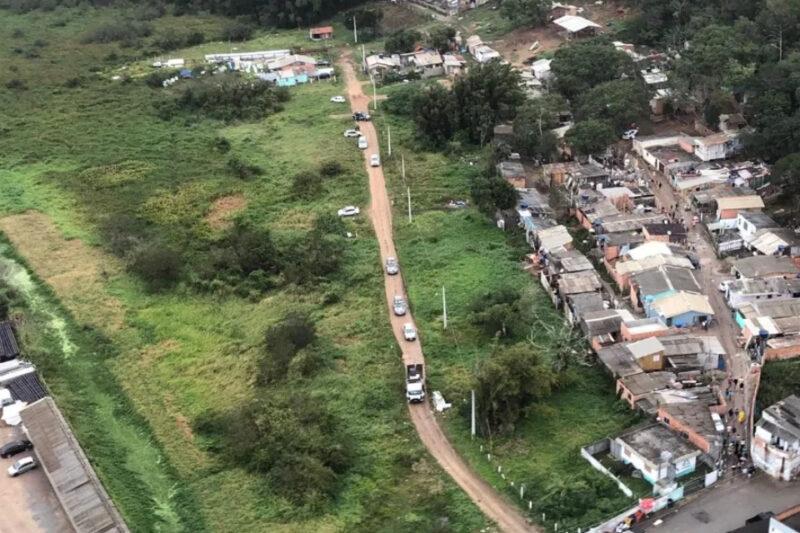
362, 142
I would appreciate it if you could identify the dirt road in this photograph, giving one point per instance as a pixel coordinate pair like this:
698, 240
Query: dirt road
493, 505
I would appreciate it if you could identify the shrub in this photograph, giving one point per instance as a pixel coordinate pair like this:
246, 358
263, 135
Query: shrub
16, 84
282, 342
73, 83
242, 169
331, 169
156, 264
222, 145
156, 79
119, 31
194, 38
241, 30
307, 184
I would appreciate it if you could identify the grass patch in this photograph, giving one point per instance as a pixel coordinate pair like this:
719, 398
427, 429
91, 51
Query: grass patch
79, 153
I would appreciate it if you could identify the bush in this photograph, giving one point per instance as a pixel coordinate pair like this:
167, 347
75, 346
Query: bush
242, 169
119, 31
156, 264
331, 169
16, 84
156, 79
282, 342
222, 145
194, 38
307, 184
241, 30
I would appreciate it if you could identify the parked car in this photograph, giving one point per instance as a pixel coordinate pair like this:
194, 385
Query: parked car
399, 306
409, 331
723, 285
392, 267
350, 134
349, 211
375, 160
360, 116
338, 99
22, 466
14, 447
362, 143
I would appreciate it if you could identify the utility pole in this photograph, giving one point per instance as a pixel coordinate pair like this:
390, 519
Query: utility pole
374, 95
408, 192
355, 30
403, 166
389, 137
364, 58
444, 306
472, 427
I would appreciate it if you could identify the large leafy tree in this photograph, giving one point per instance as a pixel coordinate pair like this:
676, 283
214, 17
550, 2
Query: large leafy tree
590, 136
526, 12
487, 95
585, 64
434, 114
532, 125
619, 102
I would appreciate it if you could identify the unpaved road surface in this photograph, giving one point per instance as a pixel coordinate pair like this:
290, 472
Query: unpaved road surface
29, 503
503, 513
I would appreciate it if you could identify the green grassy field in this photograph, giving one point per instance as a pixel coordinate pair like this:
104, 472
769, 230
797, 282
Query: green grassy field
463, 252
81, 152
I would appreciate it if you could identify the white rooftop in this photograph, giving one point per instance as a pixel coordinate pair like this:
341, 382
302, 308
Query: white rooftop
574, 24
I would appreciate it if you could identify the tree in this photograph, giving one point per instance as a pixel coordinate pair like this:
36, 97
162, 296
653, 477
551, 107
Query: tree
486, 95
532, 125
250, 248
618, 102
433, 112
787, 173
719, 102
590, 136
402, 41
780, 22
492, 194
368, 21
442, 38
526, 12
501, 312
158, 265
508, 383
582, 65
282, 342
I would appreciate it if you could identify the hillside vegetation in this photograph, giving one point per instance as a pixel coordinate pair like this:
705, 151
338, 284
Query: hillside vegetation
216, 340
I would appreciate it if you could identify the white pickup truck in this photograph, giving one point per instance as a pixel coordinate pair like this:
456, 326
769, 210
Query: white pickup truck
415, 384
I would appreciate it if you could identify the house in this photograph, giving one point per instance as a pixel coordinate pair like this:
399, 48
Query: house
576, 306
637, 388
559, 10
574, 26
772, 309
321, 33
618, 361
643, 328
553, 240
717, 146
743, 291
8, 342
654, 77
592, 213
541, 69
236, 58
682, 310
648, 249
648, 353
730, 207
622, 271
473, 42
614, 245
484, 54
764, 266
565, 262
693, 420
651, 285
578, 283
776, 241
628, 222
426, 63
658, 453
775, 447
748, 223
379, 65
503, 134
454, 65
602, 328
585, 176
666, 232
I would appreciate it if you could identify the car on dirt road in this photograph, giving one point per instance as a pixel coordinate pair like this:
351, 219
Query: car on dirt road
399, 306
392, 267
352, 134
375, 160
409, 332
14, 447
360, 116
338, 99
349, 211
362, 143
23, 465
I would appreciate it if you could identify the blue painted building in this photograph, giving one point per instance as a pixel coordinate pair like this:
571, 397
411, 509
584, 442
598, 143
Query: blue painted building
682, 310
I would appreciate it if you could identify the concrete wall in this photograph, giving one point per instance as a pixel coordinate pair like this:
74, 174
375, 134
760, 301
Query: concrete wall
601, 446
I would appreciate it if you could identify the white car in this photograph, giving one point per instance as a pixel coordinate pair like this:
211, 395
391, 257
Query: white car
338, 99
409, 331
375, 160
349, 211
350, 134
22, 466
362, 142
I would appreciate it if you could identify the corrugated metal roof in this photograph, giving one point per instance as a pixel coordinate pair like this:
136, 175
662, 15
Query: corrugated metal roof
682, 302
85, 501
645, 347
765, 265
740, 202
578, 282
8, 342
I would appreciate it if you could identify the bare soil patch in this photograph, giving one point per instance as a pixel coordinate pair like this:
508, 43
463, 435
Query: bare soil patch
77, 272
223, 210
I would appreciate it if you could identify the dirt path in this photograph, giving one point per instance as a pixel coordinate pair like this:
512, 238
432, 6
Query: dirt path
493, 505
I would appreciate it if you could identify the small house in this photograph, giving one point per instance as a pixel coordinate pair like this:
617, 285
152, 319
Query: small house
513, 172
454, 65
602, 328
775, 447
717, 146
648, 353
651, 285
672, 233
776, 241
614, 245
573, 26
731, 206
541, 69
749, 223
637, 389
693, 420
552, 240
655, 451
473, 43
682, 310
484, 54
643, 328
321, 34
744, 291
765, 266
426, 63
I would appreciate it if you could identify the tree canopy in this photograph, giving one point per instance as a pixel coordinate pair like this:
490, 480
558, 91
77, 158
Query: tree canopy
582, 65
590, 136
618, 102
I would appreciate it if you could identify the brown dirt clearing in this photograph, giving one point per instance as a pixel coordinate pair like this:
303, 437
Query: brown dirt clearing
77, 272
223, 210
